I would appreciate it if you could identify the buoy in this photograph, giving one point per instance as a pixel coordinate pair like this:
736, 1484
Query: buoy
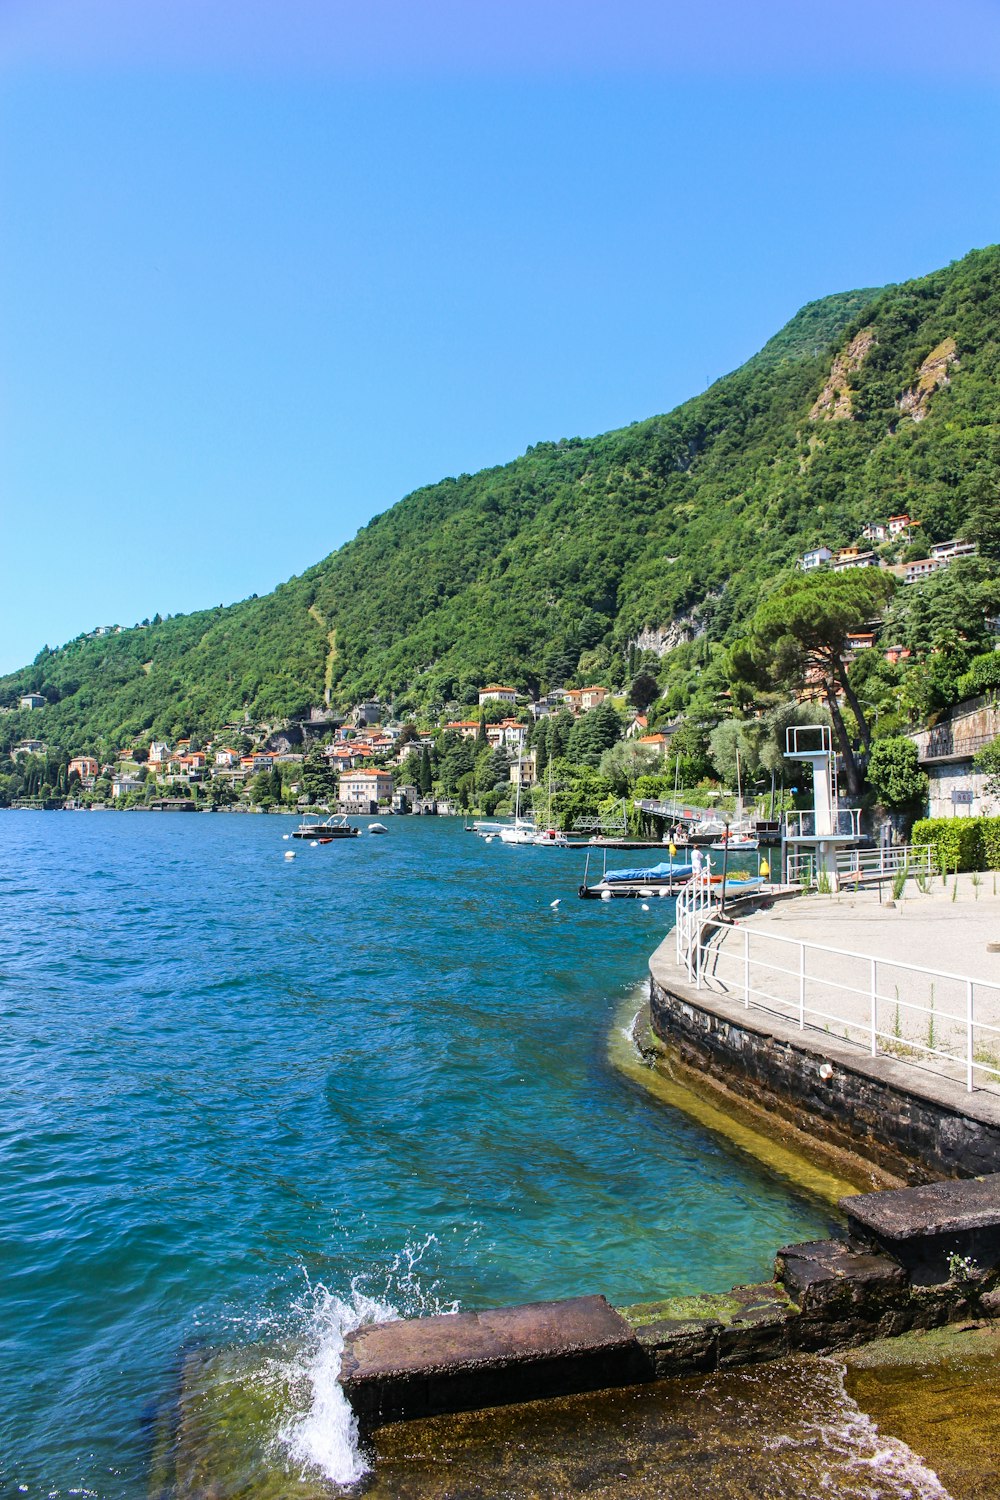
289, 853
554, 904
286, 835
765, 868
605, 895
314, 843
673, 848
645, 907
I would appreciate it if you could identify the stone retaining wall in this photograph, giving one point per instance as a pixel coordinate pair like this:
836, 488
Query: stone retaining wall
917, 1126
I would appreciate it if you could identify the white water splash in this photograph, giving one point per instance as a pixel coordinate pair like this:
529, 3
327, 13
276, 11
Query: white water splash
322, 1435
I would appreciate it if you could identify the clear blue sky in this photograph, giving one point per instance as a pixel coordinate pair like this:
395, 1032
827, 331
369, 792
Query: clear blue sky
267, 267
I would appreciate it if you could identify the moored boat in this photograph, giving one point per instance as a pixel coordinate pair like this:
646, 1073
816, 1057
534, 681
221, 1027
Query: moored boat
324, 831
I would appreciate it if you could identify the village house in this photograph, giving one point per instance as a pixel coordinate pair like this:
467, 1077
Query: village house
893, 654
226, 757
159, 753
659, 742
362, 791
898, 524
814, 558
31, 700
636, 726
859, 640
523, 770
581, 700
509, 734
467, 728
922, 568
496, 694
874, 531
368, 712
946, 551
122, 786
28, 747
851, 557
262, 760
84, 766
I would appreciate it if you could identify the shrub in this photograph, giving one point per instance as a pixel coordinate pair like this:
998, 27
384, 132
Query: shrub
957, 842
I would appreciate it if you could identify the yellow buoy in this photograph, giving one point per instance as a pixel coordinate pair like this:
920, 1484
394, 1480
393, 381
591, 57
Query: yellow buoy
765, 868
673, 849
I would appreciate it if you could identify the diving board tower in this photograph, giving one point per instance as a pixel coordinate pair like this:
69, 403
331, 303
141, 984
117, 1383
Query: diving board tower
811, 841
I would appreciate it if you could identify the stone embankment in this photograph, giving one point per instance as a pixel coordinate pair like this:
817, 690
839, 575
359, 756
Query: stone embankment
911, 1257
915, 1258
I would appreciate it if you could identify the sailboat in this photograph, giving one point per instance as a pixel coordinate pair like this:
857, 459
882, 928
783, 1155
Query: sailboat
522, 830
550, 837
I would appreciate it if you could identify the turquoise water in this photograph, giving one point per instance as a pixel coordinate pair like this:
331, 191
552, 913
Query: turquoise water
236, 1086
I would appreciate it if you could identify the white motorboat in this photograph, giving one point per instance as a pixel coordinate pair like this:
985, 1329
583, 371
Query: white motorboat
377, 828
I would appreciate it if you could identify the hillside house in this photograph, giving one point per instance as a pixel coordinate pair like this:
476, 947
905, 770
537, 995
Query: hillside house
899, 524
467, 728
659, 742
362, 791
496, 694
123, 786
851, 557
84, 766
509, 734
636, 727
523, 771
582, 700
859, 640
159, 753
874, 531
814, 558
31, 700
947, 551
913, 572
28, 747
226, 757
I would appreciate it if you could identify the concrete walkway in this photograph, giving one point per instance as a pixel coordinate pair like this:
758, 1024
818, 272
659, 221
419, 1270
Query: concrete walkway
926, 947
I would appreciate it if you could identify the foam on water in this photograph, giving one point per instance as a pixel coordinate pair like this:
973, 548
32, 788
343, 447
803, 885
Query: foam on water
322, 1433
324, 1436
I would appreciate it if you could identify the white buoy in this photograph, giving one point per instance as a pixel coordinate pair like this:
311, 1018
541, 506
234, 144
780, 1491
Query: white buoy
645, 907
314, 843
605, 895
286, 835
554, 904
289, 853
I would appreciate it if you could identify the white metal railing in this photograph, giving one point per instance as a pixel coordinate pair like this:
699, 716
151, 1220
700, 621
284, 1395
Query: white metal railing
846, 823
695, 907
949, 1023
863, 864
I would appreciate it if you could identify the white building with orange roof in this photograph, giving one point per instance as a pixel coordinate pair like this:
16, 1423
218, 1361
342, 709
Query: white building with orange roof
364, 790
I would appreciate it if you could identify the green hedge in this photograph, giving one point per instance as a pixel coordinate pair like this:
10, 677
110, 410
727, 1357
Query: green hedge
961, 843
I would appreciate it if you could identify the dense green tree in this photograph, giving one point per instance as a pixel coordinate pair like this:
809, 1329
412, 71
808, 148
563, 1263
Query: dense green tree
799, 634
894, 774
426, 773
593, 733
643, 691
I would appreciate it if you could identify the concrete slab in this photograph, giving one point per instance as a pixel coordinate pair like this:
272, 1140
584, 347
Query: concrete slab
926, 1227
397, 1371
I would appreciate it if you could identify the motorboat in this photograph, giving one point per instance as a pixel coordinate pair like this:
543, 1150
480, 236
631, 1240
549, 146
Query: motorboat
377, 828
324, 831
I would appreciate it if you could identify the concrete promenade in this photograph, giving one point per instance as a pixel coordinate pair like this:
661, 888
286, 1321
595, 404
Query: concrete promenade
920, 1017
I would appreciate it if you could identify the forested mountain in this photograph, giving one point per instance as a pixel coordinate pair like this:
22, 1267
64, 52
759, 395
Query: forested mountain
543, 571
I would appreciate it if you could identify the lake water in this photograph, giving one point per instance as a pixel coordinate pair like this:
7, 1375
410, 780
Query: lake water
246, 1100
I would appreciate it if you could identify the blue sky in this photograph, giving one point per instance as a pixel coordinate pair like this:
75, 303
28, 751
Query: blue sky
266, 268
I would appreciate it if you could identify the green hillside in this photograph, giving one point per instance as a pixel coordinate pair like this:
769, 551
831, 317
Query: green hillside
543, 571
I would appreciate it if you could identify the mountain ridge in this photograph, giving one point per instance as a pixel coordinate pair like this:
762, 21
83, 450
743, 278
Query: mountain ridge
547, 568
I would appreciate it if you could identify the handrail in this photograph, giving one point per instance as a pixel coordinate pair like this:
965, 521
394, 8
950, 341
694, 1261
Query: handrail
962, 1024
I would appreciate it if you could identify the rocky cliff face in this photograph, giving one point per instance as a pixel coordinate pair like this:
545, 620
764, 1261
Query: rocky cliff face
932, 375
833, 404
